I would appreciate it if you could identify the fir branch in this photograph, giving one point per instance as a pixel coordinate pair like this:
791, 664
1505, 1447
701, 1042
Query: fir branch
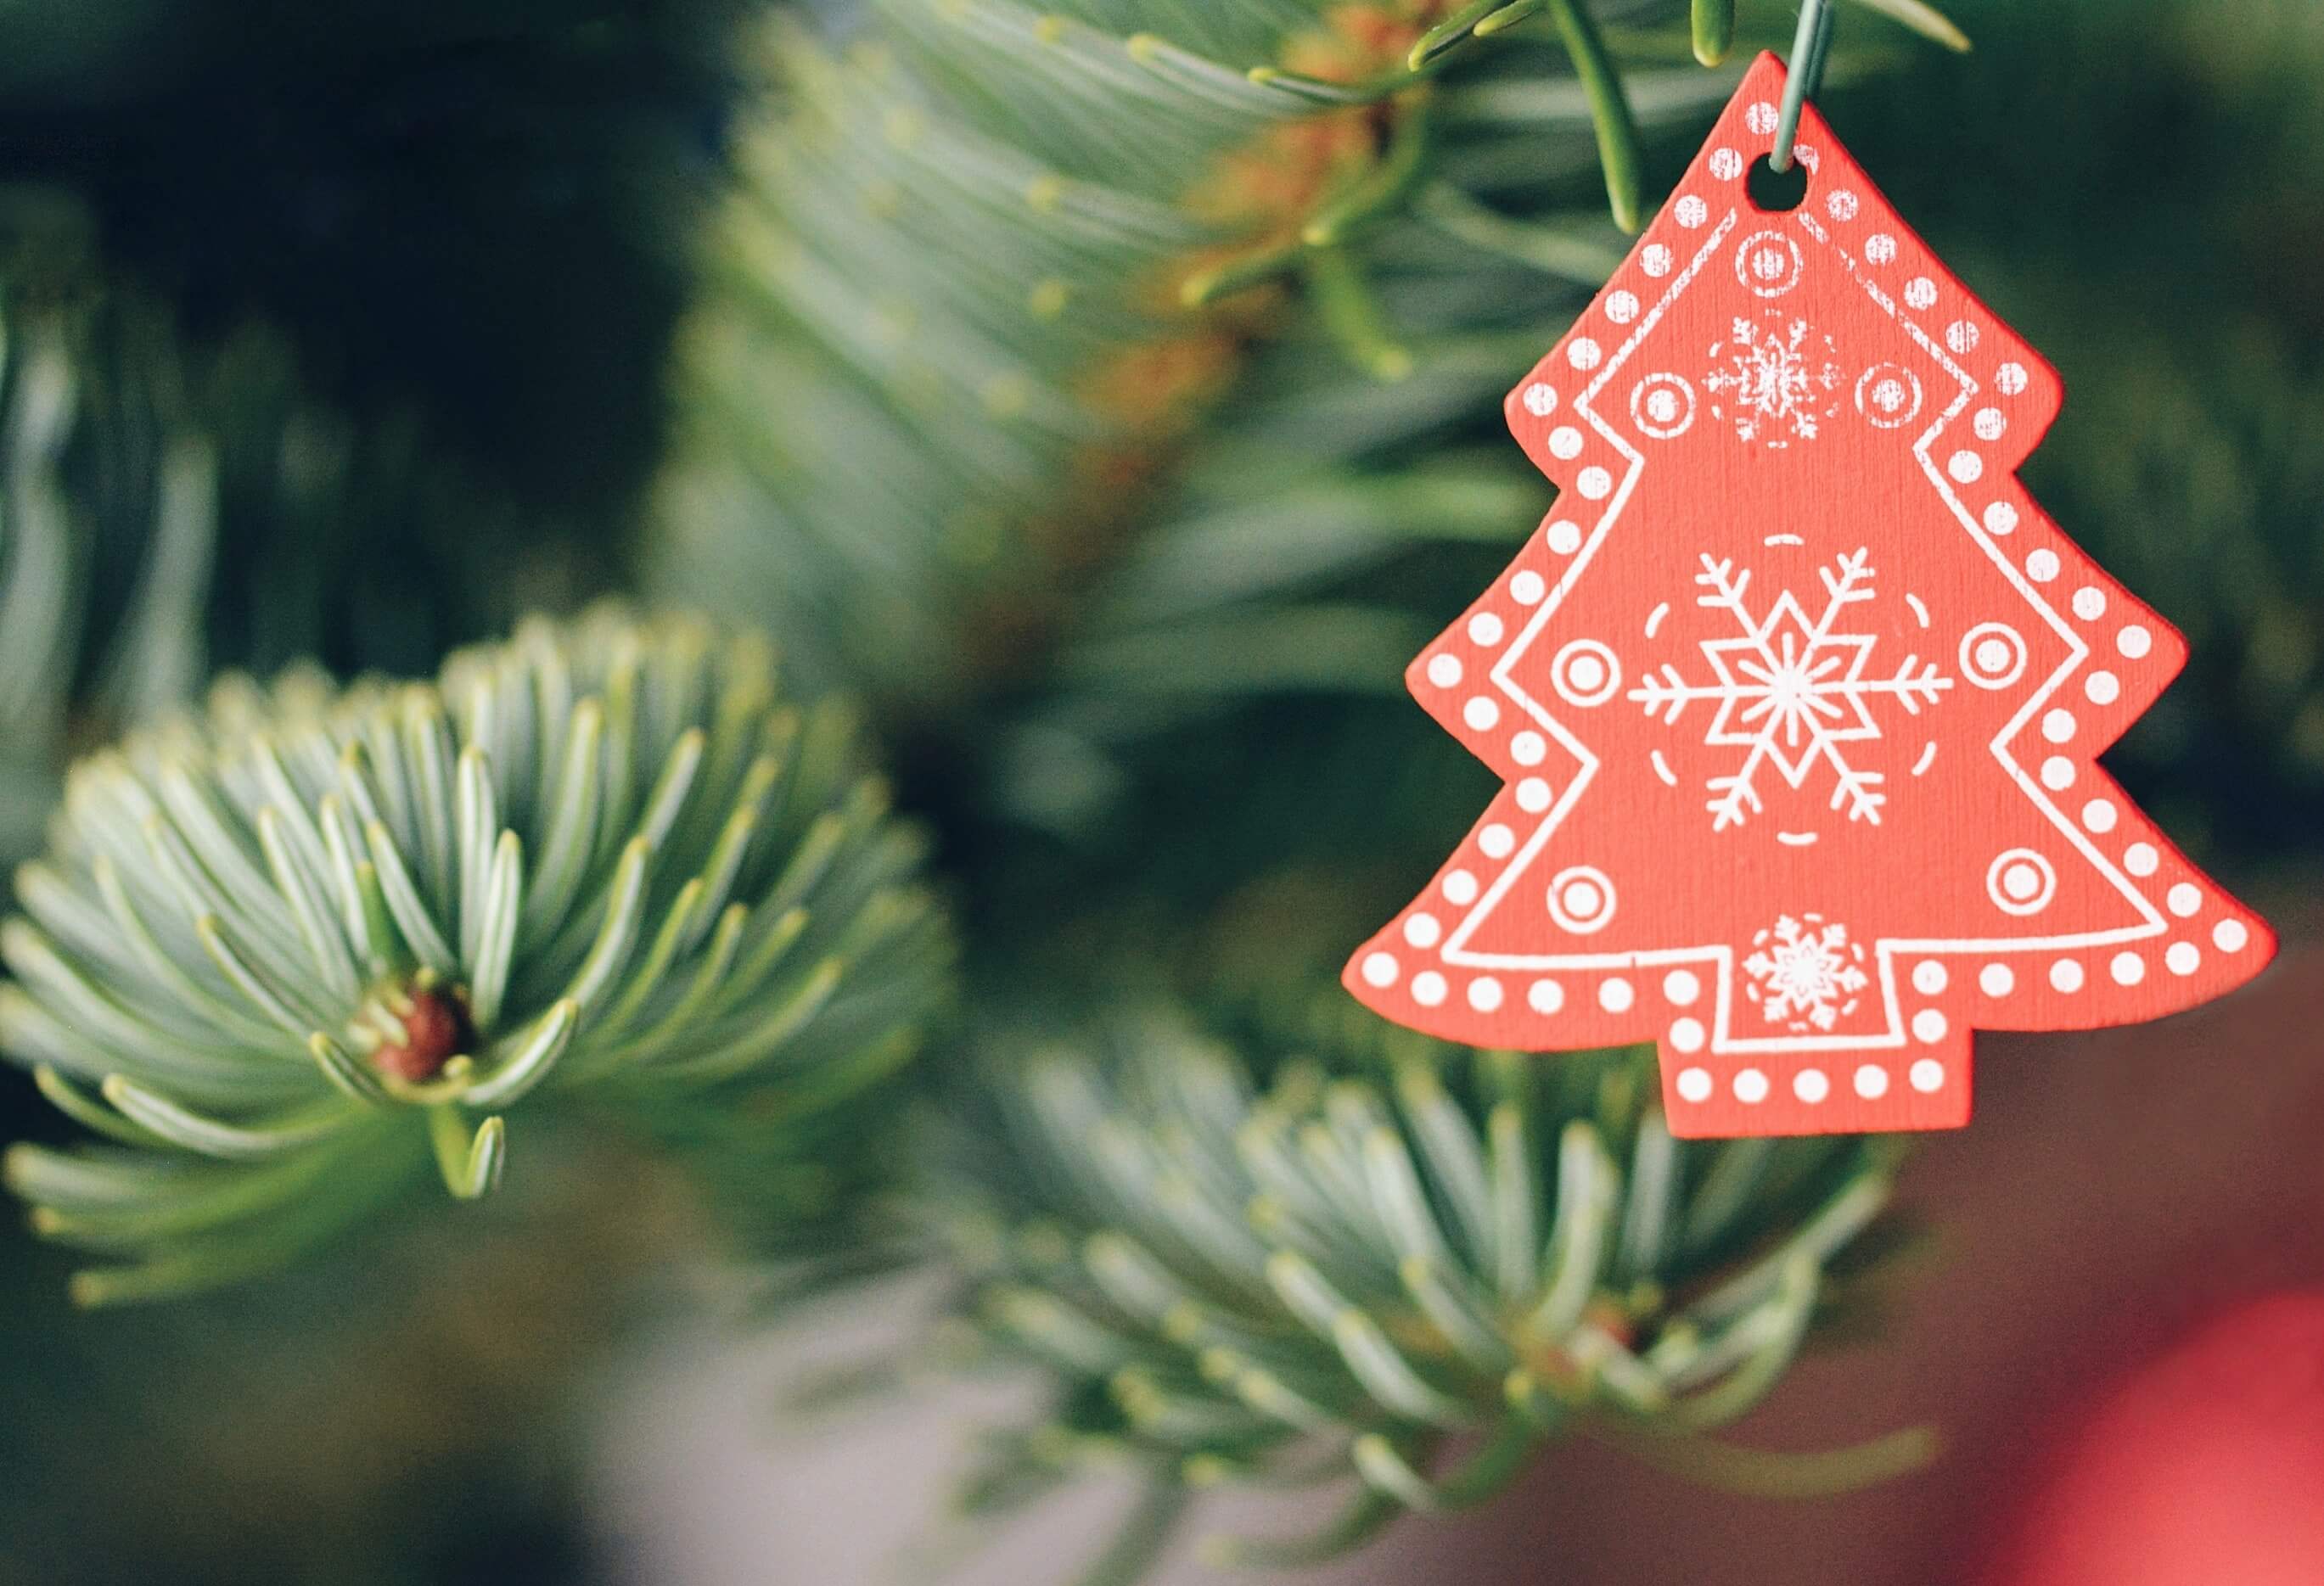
313, 929
1402, 1266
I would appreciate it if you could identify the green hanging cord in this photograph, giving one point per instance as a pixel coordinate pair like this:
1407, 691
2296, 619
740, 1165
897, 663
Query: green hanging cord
1810, 45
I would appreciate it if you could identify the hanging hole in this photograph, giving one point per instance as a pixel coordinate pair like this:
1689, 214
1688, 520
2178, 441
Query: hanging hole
1779, 191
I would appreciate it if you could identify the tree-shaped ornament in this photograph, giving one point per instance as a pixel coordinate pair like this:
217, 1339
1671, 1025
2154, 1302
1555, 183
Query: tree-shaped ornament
1797, 694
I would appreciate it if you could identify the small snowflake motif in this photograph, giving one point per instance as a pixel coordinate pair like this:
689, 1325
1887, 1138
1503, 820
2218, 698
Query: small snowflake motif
1776, 384
1804, 973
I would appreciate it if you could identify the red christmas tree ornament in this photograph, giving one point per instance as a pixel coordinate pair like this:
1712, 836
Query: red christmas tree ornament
1797, 694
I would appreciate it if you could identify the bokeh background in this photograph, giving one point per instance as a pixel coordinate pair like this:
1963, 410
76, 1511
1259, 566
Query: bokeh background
457, 297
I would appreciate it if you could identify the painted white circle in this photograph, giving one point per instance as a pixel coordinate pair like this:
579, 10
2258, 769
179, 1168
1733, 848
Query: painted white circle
2020, 882
2042, 565
2128, 969
1428, 988
1928, 1027
2102, 687
1484, 993
1565, 443
1532, 795
2098, 815
1686, 1035
1990, 424
1880, 248
1920, 292
1750, 1087
2010, 379
1996, 980
1379, 969
2058, 773
1840, 205
1682, 987
1966, 467
1582, 900
1726, 164
1484, 628
1871, 1082
2133, 640
1444, 668
1496, 840
1691, 211
1811, 1086
1662, 406
1544, 996
1695, 1085
1761, 118
1929, 977
1528, 748
1928, 1075
2185, 899
2000, 518
1768, 262
1960, 334
1540, 400
1422, 930
1889, 395
2066, 975
1528, 588
1595, 484
1482, 714
1583, 353
2089, 603
1622, 307
1615, 994
2140, 859
1460, 886
2182, 958
1992, 654
1585, 673
2229, 935
1655, 259
1565, 536
2058, 725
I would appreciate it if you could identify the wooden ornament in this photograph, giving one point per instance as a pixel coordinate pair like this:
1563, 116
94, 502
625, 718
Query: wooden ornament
1797, 695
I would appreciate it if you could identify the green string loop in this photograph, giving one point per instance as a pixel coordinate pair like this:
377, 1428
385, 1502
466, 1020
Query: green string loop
1810, 47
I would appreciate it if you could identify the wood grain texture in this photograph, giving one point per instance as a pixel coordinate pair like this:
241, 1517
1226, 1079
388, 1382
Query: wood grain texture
1797, 695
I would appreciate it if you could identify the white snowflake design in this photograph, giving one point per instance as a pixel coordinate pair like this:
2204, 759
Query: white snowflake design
1806, 974
1791, 693
1777, 385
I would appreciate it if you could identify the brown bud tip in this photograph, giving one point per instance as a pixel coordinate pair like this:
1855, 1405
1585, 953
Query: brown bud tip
436, 1028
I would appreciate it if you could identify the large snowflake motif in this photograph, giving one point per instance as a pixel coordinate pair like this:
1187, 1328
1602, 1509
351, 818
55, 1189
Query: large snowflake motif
1777, 385
1806, 974
1790, 692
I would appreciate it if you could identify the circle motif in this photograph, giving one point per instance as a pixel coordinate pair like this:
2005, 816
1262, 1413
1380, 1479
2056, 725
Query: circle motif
1889, 395
2001, 518
1768, 262
1622, 307
1582, 900
1880, 248
1585, 672
1927, 1075
1540, 399
1544, 996
1871, 1082
1694, 1085
1811, 1086
1992, 654
1594, 483
1750, 1087
1921, 293
1662, 405
1655, 259
2021, 882
1841, 205
1726, 164
1692, 211
2010, 379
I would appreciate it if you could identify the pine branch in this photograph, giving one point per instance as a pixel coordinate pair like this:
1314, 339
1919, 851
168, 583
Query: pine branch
299, 943
1341, 1274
